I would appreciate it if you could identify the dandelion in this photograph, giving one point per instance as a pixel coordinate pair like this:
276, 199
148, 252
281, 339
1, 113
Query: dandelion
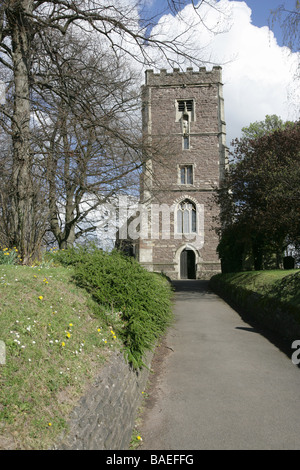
41, 297
139, 438
63, 344
99, 329
70, 324
68, 335
49, 424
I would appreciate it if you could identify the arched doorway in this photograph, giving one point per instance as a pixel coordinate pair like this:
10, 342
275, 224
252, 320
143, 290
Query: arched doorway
187, 264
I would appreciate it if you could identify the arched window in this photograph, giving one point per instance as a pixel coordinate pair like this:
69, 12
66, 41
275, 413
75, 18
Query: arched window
186, 217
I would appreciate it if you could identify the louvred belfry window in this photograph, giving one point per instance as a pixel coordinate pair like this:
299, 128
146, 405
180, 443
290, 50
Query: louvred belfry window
185, 105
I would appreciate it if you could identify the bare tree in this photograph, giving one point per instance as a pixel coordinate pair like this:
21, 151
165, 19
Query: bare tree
288, 19
21, 22
87, 137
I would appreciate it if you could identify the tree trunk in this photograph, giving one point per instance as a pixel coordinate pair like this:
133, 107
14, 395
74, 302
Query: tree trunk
22, 188
257, 250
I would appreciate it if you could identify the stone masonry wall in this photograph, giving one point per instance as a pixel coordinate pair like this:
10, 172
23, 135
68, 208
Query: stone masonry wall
162, 125
104, 418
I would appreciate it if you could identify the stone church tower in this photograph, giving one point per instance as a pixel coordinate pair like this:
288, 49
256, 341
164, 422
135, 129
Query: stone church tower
184, 129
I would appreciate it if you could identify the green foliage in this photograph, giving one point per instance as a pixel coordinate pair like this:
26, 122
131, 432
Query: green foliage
8, 256
271, 297
141, 299
259, 196
231, 250
260, 128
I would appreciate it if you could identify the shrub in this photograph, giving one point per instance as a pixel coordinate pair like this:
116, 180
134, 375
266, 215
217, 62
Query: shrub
118, 282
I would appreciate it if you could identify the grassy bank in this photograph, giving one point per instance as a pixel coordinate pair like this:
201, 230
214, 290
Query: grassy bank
55, 343
57, 335
271, 297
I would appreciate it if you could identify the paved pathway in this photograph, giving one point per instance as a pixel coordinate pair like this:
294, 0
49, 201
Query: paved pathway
220, 384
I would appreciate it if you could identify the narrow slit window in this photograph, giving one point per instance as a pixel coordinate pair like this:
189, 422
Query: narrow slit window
186, 142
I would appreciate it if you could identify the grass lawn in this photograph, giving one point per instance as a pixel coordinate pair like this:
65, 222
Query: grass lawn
258, 280
55, 343
281, 286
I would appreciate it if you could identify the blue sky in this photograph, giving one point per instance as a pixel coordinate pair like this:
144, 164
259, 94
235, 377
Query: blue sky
259, 73
261, 11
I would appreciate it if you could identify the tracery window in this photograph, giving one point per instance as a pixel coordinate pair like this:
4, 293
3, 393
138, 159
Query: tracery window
186, 217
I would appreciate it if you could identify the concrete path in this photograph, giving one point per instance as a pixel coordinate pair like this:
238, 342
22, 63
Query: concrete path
218, 383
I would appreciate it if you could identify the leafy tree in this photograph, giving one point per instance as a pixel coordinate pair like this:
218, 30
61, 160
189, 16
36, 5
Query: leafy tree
261, 128
260, 196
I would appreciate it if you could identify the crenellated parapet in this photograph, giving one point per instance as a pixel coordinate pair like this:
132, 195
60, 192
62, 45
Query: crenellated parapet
179, 77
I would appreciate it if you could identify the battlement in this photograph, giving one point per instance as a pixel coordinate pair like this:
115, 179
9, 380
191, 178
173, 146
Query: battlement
180, 78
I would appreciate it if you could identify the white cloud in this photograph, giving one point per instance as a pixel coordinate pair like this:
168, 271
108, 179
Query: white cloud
258, 74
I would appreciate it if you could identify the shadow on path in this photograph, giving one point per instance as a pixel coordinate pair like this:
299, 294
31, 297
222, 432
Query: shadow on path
191, 289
